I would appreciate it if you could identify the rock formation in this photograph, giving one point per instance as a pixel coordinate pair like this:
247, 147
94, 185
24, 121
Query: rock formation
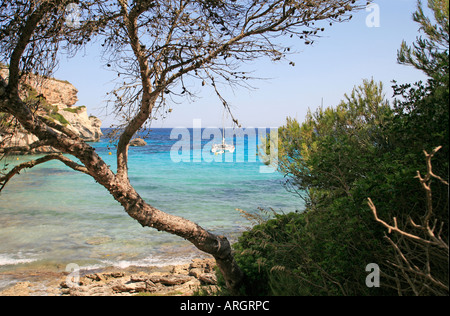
54, 90
179, 280
87, 127
185, 279
138, 142
55, 100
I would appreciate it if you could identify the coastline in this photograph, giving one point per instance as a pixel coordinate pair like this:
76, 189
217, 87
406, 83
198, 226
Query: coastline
168, 280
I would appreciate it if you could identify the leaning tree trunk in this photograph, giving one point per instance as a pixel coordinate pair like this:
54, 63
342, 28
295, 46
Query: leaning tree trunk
155, 68
148, 216
57, 136
52, 134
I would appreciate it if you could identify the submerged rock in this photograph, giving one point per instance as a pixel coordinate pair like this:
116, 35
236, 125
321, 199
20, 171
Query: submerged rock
98, 240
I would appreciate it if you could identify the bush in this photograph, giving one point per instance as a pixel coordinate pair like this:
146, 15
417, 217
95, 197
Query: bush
320, 252
337, 159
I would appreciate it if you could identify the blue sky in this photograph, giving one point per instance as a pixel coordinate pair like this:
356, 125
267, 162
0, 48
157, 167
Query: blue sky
345, 55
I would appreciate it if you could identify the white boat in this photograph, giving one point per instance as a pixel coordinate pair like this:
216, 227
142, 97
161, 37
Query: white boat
222, 148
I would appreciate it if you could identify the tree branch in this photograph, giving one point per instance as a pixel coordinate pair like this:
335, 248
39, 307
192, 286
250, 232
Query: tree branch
428, 249
27, 148
435, 241
25, 35
147, 102
32, 163
58, 127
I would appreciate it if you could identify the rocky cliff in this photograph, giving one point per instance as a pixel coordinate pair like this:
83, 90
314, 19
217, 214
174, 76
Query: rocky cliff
55, 99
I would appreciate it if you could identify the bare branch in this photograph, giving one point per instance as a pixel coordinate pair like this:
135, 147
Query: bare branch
415, 262
434, 241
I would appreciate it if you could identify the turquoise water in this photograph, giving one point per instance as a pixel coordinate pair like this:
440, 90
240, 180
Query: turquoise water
52, 215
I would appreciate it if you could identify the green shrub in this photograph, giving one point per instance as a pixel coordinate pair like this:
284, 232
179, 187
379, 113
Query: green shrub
58, 117
320, 252
75, 110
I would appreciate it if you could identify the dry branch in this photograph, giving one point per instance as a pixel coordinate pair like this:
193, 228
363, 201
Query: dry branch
415, 253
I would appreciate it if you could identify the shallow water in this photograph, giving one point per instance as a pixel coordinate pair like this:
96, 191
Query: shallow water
51, 215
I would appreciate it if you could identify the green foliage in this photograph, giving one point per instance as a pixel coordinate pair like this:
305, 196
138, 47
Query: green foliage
429, 54
76, 109
338, 157
255, 249
5, 121
302, 254
421, 120
334, 146
58, 117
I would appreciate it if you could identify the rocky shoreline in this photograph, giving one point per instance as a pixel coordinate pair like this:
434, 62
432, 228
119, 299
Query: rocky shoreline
174, 280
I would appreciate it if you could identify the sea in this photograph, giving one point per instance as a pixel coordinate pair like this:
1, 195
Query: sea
53, 217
